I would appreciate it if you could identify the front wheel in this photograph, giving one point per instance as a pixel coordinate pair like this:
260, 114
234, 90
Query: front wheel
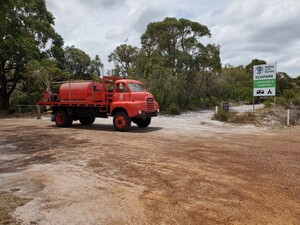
143, 122
62, 119
121, 121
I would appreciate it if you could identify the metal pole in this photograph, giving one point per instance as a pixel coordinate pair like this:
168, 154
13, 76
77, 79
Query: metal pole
288, 117
253, 103
216, 109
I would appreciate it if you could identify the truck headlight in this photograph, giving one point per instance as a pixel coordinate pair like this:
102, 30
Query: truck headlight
139, 111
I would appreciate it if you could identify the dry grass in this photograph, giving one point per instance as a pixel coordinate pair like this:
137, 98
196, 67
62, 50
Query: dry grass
234, 117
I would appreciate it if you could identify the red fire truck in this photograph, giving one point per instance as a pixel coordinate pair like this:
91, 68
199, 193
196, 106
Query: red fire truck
124, 99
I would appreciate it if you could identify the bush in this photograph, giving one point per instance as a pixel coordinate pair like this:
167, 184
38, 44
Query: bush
290, 94
296, 101
268, 103
247, 117
281, 101
213, 101
221, 116
233, 117
173, 109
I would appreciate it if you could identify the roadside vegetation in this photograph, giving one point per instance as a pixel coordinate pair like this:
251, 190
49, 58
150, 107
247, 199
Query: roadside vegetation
267, 116
235, 117
180, 70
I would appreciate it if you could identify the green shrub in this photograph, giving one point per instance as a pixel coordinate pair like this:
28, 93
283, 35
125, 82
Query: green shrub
289, 94
281, 101
213, 101
233, 117
173, 109
296, 101
268, 104
221, 116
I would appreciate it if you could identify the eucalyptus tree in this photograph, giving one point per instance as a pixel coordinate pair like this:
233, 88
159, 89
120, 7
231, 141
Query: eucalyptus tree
176, 45
80, 65
26, 30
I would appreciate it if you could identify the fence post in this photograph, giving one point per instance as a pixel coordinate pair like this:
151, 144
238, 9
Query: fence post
38, 115
288, 117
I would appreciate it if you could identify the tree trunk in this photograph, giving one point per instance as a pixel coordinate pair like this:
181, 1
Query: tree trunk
4, 101
4, 94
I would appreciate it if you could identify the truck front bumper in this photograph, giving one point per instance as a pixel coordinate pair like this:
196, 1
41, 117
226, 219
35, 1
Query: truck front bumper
146, 115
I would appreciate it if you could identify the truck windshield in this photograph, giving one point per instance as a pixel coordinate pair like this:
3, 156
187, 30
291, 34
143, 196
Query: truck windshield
135, 87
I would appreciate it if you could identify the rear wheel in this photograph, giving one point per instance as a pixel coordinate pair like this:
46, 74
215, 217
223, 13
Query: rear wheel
121, 121
143, 122
62, 119
87, 120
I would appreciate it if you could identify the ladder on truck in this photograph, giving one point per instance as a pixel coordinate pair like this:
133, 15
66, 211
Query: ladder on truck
108, 85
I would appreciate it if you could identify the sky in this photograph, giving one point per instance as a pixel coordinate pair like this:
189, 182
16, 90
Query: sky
245, 29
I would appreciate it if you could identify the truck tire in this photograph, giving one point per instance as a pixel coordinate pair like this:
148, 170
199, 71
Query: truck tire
87, 120
62, 119
143, 123
121, 121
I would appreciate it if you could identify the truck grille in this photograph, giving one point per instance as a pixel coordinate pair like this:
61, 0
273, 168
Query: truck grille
150, 104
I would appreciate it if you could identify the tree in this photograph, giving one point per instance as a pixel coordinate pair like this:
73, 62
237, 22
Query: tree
45, 71
233, 84
80, 65
95, 67
283, 82
175, 44
124, 58
26, 28
178, 41
39, 77
249, 70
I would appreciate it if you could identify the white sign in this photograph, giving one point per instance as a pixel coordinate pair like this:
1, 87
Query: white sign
264, 80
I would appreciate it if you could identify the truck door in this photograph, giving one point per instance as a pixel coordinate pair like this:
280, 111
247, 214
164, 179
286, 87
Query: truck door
121, 92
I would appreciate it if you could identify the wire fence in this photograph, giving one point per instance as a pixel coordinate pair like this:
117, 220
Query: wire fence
31, 110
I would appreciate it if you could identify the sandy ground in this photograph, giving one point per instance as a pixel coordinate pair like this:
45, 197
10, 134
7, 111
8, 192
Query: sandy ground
186, 169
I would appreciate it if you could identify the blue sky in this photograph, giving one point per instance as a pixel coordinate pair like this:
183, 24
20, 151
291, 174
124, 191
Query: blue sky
245, 29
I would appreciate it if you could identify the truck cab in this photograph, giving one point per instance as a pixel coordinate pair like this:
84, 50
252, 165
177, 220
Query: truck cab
132, 102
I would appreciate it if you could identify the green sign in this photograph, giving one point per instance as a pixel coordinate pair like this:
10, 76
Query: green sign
264, 80
264, 83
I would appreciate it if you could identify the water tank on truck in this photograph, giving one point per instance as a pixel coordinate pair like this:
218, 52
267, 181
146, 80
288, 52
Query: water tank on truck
81, 91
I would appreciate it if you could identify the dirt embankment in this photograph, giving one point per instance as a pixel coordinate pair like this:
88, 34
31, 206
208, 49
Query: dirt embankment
181, 170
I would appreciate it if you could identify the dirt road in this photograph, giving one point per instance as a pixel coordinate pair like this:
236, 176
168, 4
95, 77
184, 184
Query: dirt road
181, 170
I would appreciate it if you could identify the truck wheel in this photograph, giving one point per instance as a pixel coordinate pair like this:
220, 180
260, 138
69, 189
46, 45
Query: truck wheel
121, 121
87, 120
62, 119
143, 123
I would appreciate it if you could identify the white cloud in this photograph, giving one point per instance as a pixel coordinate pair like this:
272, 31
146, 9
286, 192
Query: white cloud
245, 29
266, 30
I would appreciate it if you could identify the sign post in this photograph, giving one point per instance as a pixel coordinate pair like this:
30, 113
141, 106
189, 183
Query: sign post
264, 81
